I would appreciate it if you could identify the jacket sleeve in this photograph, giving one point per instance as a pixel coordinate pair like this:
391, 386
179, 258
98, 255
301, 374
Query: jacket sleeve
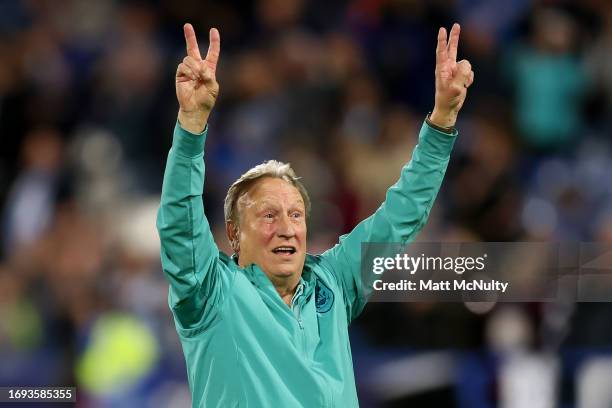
189, 255
400, 217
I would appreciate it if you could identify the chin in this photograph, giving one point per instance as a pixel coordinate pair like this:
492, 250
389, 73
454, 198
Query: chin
285, 271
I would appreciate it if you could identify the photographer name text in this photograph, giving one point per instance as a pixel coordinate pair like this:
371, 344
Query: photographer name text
441, 286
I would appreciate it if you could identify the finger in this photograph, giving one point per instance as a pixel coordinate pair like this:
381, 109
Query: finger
214, 48
441, 53
453, 42
191, 42
194, 65
444, 75
471, 79
206, 73
199, 70
184, 73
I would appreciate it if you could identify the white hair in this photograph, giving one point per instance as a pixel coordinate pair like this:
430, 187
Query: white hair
270, 168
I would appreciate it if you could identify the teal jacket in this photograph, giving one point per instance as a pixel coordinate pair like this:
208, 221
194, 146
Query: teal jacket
244, 347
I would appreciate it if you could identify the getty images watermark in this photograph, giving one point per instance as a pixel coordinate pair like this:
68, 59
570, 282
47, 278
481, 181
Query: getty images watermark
487, 271
413, 264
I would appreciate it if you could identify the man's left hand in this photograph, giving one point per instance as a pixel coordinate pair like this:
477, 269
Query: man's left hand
452, 79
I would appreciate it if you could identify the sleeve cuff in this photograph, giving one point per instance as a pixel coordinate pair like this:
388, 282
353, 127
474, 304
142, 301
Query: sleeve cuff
188, 144
436, 142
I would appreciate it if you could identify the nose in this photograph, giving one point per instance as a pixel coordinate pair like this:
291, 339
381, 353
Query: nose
285, 227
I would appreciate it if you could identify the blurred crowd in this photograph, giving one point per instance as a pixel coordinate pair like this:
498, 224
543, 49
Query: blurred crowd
339, 89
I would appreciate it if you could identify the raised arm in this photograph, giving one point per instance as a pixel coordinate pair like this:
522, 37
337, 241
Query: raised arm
188, 252
408, 202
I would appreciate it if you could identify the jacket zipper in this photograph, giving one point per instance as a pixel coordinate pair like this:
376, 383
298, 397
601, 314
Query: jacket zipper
297, 294
329, 397
296, 307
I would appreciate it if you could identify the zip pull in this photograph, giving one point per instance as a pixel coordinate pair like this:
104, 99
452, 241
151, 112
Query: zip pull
299, 317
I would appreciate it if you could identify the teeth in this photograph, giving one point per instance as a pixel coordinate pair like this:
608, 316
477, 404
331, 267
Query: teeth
284, 249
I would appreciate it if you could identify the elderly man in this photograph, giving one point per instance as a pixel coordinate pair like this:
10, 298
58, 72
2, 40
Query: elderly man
268, 326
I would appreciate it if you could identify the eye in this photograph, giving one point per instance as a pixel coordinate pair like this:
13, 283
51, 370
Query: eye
269, 216
296, 215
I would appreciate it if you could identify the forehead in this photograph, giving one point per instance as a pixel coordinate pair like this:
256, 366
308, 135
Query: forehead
273, 190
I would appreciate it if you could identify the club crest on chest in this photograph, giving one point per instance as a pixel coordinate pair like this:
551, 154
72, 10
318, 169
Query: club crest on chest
324, 297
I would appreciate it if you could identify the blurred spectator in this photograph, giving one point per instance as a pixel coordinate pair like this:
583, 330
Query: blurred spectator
31, 201
599, 64
549, 81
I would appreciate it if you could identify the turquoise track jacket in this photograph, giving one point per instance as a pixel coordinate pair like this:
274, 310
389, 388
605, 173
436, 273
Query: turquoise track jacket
244, 346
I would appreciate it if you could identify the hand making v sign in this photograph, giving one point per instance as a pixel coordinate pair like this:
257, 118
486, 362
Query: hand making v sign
196, 82
452, 79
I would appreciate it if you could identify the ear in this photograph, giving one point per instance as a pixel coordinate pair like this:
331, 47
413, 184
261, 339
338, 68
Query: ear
231, 230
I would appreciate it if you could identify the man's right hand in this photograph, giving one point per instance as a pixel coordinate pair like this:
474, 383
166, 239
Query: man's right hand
196, 83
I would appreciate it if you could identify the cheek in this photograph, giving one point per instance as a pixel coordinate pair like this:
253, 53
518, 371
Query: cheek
261, 232
301, 232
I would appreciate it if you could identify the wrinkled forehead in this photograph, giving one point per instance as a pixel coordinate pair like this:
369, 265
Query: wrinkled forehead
271, 191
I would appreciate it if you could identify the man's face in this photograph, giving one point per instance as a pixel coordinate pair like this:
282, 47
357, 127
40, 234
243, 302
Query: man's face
272, 230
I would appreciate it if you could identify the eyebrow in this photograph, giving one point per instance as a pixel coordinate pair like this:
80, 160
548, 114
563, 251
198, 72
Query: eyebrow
269, 203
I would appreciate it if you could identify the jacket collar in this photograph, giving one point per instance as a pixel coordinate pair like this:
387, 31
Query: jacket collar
259, 278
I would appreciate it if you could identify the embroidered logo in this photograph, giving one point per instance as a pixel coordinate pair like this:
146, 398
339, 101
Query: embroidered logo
324, 297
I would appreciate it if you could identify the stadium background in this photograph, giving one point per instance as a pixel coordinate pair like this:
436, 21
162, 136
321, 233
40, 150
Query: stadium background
339, 89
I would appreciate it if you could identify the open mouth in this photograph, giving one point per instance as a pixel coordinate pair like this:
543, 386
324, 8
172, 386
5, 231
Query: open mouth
284, 250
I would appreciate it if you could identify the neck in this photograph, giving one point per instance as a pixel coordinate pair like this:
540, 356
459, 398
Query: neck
286, 287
